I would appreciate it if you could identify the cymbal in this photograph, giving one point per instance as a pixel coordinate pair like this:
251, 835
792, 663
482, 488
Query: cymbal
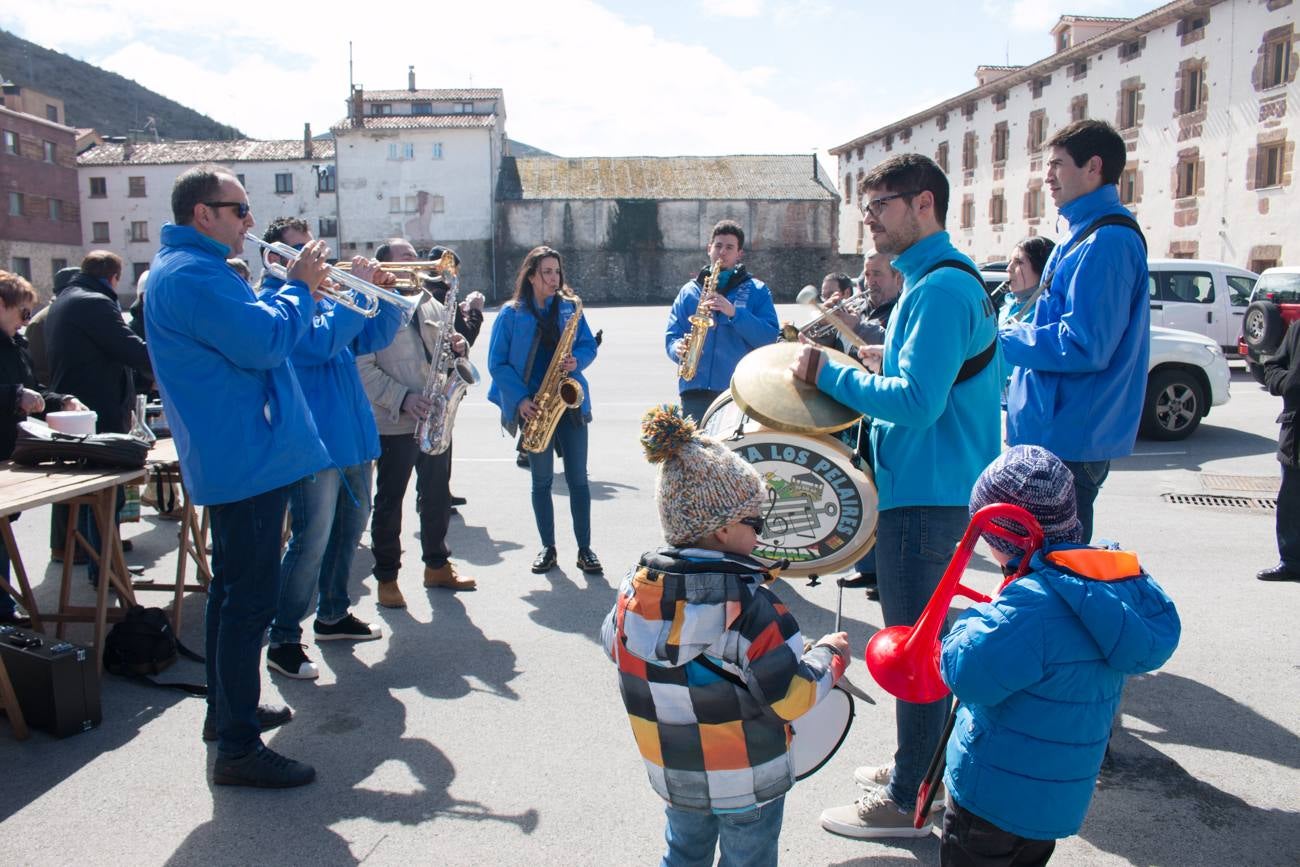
766, 390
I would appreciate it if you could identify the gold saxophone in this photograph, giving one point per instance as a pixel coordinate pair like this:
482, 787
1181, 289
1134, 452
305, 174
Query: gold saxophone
693, 342
558, 391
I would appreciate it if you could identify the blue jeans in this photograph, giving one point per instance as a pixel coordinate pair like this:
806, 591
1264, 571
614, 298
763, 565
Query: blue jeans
748, 839
696, 401
913, 547
571, 435
867, 565
1088, 479
241, 603
1288, 518
327, 513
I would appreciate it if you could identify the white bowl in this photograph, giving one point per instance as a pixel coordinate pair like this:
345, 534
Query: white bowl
75, 422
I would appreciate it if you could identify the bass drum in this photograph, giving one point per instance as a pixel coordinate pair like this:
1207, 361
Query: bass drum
815, 736
821, 509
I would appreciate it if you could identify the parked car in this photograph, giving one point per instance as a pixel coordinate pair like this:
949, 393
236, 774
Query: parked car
1187, 374
1203, 297
1273, 306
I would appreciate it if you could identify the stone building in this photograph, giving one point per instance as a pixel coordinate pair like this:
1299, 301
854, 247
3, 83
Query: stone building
634, 229
126, 191
1199, 89
40, 228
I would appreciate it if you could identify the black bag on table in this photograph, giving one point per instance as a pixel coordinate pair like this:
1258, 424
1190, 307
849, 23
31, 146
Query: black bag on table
38, 443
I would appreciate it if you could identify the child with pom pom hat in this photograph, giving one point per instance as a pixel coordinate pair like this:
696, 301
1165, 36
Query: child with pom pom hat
694, 621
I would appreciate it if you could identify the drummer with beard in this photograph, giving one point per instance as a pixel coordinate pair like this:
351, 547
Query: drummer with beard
744, 318
935, 425
712, 666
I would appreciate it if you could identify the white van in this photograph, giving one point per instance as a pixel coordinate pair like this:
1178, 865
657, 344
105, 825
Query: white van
1203, 297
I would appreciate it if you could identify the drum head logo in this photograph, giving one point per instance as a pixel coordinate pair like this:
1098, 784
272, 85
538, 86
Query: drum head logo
814, 506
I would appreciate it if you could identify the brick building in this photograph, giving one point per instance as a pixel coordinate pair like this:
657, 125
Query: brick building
1199, 89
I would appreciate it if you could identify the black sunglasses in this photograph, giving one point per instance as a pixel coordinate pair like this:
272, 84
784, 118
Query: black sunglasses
241, 208
26, 314
755, 524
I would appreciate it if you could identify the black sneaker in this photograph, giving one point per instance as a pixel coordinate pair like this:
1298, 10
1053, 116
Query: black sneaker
545, 561
588, 561
269, 716
458, 501
262, 768
291, 661
521, 460
861, 579
349, 629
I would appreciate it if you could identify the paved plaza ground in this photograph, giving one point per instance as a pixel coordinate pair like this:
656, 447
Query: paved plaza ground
486, 727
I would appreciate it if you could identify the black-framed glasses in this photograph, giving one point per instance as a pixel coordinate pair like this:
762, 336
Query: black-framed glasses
241, 208
755, 524
26, 314
876, 206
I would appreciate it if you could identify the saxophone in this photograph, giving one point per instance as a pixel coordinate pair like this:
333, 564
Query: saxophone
449, 377
700, 325
558, 391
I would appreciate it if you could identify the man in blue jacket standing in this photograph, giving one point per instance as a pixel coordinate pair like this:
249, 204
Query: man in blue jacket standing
935, 410
328, 510
244, 434
744, 318
1081, 358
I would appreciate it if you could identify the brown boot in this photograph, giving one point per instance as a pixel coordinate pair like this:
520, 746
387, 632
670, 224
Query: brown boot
390, 595
446, 577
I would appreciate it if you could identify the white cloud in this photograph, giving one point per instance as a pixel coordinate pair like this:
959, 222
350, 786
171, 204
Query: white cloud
1039, 16
732, 8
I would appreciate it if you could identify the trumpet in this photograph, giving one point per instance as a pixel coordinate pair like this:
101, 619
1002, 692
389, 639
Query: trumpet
827, 323
344, 288
410, 275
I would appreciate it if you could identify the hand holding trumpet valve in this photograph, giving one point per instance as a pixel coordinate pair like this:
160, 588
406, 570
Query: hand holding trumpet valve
310, 266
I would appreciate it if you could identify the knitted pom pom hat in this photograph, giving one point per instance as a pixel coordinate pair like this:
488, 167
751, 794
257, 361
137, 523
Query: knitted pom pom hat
1034, 479
702, 485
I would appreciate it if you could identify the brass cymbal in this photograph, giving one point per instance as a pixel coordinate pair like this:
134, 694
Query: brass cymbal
767, 391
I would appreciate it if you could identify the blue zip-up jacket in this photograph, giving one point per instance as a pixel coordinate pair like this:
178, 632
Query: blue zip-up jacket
512, 340
1081, 359
221, 357
930, 438
325, 361
731, 338
1039, 672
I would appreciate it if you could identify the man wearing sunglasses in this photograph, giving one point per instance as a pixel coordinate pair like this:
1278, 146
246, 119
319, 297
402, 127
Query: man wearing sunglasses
244, 435
935, 408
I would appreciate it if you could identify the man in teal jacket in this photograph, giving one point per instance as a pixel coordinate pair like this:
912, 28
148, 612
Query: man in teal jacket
935, 426
1081, 358
244, 434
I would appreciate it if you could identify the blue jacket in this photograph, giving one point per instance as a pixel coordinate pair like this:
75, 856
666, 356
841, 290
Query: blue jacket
326, 364
1081, 359
1039, 672
220, 355
731, 338
512, 340
930, 438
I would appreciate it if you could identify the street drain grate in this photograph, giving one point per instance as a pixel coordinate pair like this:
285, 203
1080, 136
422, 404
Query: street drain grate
1220, 482
1214, 501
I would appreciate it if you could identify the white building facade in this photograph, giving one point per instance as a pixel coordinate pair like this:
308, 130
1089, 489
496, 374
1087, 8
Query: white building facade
1199, 90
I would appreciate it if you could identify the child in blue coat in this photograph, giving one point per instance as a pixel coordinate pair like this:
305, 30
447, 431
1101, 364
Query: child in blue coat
1040, 671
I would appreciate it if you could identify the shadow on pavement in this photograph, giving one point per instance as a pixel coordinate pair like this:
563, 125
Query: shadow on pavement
567, 606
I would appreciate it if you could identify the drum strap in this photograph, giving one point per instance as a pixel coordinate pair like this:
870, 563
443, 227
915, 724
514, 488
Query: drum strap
973, 365
721, 672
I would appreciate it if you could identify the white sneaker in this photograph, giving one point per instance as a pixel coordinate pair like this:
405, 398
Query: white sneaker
874, 816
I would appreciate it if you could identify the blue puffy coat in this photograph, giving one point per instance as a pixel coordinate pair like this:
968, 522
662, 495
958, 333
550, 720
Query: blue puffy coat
731, 338
1039, 672
508, 350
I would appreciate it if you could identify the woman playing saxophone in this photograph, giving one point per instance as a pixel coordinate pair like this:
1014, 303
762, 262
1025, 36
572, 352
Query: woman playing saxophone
539, 347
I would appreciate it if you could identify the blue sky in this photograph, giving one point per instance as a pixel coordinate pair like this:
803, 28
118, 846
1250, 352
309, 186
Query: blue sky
581, 77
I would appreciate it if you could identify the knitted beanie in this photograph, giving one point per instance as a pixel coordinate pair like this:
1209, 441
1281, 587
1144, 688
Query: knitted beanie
1034, 479
702, 485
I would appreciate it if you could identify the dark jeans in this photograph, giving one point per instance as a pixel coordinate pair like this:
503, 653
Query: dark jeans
1288, 518
571, 434
241, 602
399, 454
1088, 479
969, 841
696, 401
913, 547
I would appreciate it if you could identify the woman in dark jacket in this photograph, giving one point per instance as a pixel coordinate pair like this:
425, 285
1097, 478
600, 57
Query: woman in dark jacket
20, 394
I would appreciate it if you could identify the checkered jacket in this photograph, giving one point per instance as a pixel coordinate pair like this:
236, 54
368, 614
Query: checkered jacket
707, 743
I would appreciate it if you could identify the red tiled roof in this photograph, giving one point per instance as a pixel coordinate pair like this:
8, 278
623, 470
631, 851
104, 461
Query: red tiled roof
431, 95
170, 152
782, 177
419, 121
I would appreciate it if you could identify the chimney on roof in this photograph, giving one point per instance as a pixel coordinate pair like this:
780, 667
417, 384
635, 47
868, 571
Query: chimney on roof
358, 106
306, 141
410, 78
128, 146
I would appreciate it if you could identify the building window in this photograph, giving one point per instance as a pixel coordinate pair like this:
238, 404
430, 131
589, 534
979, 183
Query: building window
23, 267
1034, 201
463, 108
1037, 85
11, 143
1037, 131
99, 233
98, 188
408, 151
848, 189
329, 227
47, 149
139, 231
889, 141
940, 122
967, 212
401, 151
1191, 81
1277, 61
1268, 165
381, 108
1188, 177
412, 204
52, 113
1079, 108
1130, 50
1063, 40
941, 157
1192, 28
999, 101
968, 110
1079, 69
968, 152
437, 204
998, 209
1000, 136
15, 204
1128, 185
325, 181
395, 205
1128, 106
135, 188
55, 208
284, 182
421, 108
57, 265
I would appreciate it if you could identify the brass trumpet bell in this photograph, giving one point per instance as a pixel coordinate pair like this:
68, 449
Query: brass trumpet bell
410, 276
